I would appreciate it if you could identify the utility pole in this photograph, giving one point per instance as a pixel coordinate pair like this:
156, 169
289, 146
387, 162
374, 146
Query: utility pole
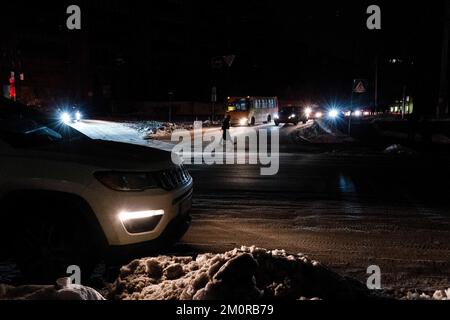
443, 88
376, 84
170, 105
351, 114
404, 102
213, 101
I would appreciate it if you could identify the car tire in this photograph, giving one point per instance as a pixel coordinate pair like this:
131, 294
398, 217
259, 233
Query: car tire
45, 245
269, 119
253, 121
277, 123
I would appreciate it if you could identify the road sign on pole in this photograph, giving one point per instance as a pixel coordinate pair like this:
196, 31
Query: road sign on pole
229, 60
359, 86
214, 94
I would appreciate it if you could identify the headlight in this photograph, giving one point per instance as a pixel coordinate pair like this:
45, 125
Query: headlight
78, 116
127, 181
358, 113
66, 118
319, 115
333, 113
243, 122
308, 112
276, 116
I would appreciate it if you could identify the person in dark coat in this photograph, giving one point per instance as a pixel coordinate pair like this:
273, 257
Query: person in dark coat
226, 125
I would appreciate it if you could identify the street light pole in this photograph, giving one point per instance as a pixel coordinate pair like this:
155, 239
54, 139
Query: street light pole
350, 117
170, 105
376, 84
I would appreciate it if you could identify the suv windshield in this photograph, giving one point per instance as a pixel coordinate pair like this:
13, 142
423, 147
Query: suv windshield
288, 110
24, 127
26, 133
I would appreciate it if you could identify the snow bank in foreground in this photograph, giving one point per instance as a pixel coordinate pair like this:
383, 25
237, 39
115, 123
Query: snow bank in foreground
438, 295
241, 274
64, 292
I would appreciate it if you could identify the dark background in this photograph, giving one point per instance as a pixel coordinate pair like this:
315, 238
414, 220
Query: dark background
142, 50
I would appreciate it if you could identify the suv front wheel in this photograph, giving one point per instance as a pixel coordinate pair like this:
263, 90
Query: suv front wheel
47, 242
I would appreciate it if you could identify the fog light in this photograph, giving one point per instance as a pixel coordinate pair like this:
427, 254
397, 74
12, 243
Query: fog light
127, 215
141, 221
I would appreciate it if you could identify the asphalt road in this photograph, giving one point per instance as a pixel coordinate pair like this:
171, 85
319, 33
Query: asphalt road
348, 210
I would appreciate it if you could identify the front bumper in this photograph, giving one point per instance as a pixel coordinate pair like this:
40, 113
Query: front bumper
174, 231
108, 204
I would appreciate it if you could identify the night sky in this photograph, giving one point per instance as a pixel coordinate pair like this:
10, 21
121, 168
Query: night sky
295, 50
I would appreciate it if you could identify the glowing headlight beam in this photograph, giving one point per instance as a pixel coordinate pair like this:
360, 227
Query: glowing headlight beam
66, 118
130, 215
333, 113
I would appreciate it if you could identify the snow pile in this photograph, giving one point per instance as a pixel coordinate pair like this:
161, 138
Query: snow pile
241, 274
146, 127
440, 139
160, 130
322, 134
399, 150
65, 292
440, 295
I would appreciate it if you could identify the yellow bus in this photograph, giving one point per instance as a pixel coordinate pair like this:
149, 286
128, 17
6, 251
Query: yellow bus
251, 110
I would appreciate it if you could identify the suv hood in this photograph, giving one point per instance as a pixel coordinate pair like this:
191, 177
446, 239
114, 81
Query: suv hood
107, 155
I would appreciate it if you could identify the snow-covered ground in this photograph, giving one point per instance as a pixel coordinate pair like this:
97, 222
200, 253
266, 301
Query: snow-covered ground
163, 130
321, 132
60, 291
244, 274
241, 274
234, 207
119, 132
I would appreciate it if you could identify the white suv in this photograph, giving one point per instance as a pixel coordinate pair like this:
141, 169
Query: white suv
70, 200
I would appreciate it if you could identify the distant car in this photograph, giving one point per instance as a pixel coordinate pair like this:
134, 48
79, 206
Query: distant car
69, 200
70, 115
293, 115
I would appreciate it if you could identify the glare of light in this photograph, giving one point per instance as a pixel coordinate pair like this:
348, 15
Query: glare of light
366, 113
276, 116
66, 118
243, 122
78, 115
319, 115
358, 113
292, 116
333, 113
347, 113
308, 112
135, 215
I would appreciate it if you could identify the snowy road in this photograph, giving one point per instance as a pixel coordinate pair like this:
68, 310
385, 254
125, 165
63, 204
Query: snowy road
349, 211
114, 131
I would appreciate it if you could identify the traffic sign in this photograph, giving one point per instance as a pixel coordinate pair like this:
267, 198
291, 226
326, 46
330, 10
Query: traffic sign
359, 86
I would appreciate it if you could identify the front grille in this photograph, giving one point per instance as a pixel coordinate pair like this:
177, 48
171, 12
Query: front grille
172, 178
